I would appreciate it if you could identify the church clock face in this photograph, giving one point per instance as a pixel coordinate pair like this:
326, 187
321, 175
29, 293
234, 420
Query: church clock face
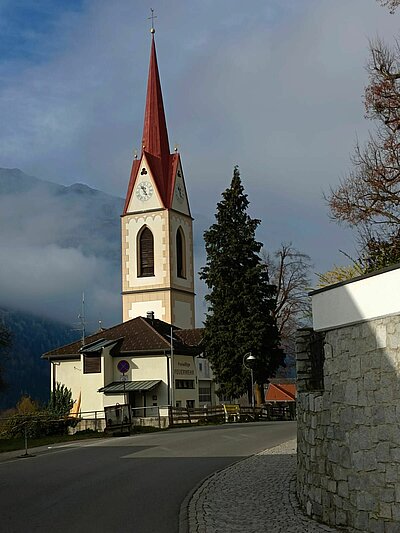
144, 191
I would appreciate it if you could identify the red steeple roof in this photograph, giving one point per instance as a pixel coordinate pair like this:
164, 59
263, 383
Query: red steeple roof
155, 144
155, 135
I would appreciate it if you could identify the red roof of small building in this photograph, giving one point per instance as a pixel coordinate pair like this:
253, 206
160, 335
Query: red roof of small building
281, 392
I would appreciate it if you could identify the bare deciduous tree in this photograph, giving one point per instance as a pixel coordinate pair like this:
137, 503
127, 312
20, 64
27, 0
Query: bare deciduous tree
369, 197
289, 271
391, 4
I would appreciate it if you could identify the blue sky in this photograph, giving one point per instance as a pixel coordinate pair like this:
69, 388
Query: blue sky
273, 86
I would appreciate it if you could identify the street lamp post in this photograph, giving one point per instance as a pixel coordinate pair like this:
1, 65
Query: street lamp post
250, 360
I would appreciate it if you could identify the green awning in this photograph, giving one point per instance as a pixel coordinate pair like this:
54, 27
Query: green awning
129, 386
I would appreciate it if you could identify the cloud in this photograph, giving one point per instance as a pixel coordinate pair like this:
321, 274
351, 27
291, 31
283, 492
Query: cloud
276, 89
54, 247
46, 281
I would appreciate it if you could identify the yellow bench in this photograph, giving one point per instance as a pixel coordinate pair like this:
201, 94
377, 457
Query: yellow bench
232, 411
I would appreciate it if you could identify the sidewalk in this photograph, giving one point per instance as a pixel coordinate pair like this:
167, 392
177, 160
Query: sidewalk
256, 495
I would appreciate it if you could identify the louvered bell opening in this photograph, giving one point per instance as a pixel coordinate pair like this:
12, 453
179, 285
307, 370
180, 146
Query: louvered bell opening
180, 254
146, 259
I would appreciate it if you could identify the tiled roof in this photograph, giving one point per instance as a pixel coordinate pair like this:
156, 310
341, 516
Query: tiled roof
139, 335
282, 392
191, 337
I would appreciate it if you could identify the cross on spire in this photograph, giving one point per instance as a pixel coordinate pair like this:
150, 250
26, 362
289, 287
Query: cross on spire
152, 17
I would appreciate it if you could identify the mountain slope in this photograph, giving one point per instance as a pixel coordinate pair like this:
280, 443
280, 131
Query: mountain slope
24, 371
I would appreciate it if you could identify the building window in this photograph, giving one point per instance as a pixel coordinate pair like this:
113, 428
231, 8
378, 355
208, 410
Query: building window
91, 364
184, 383
205, 394
180, 254
145, 253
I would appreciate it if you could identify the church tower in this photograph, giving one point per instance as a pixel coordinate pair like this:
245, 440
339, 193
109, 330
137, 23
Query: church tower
157, 233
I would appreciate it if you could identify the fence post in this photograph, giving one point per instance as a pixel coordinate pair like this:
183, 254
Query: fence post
26, 438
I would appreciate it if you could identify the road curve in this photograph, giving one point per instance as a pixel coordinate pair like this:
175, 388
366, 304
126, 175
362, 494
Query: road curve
128, 484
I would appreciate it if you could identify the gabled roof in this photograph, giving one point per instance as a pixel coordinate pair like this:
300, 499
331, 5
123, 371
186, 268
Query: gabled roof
140, 335
155, 143
282, 392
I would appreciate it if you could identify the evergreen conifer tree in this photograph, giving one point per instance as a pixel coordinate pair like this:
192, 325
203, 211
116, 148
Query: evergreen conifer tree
241, 299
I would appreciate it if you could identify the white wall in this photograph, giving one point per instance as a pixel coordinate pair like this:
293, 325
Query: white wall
364, 299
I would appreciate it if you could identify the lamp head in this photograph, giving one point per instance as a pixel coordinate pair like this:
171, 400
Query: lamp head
249, 358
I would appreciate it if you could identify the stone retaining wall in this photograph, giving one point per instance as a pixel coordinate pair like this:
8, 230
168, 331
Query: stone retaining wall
349, 433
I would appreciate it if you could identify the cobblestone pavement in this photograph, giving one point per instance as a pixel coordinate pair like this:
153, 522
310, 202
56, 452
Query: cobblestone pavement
255, 495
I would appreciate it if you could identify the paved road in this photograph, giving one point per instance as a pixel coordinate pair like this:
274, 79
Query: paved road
127, 484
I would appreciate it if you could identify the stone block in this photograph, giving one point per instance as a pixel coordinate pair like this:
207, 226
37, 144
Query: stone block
376, 480
351, 393
354, 481
357, 461
343, 489
361, 520
392, 473
341, 518
378, 414
365, 501
340, 473
385, 432
370, 381
396, 512
383, 452
370, 462
385, 510
397, 493
362, 398
376, 525
391, 527
390, 414
332, 486
387, 495
346, 418
393, 340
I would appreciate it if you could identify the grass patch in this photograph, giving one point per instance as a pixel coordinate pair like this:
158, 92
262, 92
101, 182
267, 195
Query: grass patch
10, 445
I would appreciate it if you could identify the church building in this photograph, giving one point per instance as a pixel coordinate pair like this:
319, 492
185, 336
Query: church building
153, 357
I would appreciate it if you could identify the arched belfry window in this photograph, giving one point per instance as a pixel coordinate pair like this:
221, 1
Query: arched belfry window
180, 254
145, 253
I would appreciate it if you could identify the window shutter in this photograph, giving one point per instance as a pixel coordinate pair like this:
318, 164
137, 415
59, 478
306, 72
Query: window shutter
91, 364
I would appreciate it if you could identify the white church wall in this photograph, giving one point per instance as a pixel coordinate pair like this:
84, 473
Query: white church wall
156, 222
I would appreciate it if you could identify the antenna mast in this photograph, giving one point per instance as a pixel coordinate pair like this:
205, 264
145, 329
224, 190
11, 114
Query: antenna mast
81, 317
